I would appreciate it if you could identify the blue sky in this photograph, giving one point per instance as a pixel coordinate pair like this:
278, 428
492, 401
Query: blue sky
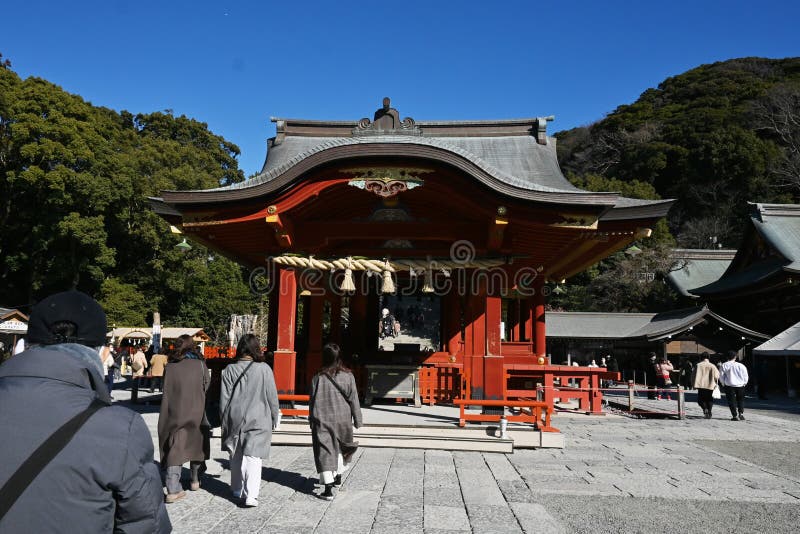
235, 64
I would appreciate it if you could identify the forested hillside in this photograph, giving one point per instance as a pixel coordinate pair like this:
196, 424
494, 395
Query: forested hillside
74, 182
713, 138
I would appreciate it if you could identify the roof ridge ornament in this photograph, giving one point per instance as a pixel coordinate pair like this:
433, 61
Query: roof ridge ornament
386, 122
541, 128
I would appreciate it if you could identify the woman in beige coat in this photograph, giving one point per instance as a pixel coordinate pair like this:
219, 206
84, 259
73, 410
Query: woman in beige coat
706, 376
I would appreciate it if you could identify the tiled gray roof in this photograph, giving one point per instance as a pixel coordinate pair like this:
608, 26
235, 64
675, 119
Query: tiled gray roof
647, 326
698, 268
779, 226
787, 343
676, 321
595, 325
516, 160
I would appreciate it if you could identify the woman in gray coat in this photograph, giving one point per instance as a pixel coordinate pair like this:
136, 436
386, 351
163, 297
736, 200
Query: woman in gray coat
249, 404
333, 411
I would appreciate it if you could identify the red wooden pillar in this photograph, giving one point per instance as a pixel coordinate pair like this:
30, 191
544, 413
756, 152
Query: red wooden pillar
475, 342
314, 354
285, 355
493, 374
527, 318
272, 314
540, 334
515, 326
452, 322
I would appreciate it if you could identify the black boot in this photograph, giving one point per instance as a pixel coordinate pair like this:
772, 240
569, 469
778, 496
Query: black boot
195, 468
328, 493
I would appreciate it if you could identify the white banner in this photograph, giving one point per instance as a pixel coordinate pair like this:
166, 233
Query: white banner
13, 327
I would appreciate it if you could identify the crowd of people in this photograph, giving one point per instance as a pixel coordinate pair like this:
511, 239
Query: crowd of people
710, 376
92, 462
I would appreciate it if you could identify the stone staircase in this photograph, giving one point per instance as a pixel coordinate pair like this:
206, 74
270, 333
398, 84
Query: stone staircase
481, 438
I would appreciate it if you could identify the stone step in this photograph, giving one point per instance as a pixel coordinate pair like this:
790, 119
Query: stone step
473, 438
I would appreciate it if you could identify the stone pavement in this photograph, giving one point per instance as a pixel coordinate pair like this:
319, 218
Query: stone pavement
616, 474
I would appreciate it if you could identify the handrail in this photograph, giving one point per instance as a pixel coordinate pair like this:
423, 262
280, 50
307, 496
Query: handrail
535, 407
534, 416
303, 412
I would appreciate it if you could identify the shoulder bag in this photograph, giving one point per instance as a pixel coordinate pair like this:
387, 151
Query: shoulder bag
230, 397
42, 456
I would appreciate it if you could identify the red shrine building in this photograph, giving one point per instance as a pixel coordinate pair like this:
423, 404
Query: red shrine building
422, 248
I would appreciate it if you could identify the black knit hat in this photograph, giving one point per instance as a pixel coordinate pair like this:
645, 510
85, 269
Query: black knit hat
70, 306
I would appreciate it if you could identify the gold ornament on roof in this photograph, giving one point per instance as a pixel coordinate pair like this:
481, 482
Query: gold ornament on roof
386, 181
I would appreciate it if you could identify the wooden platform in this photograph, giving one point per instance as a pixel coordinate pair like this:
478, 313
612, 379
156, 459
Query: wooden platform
482, 438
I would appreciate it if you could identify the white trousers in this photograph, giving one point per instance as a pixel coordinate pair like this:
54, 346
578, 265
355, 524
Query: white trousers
326, 477
245, 474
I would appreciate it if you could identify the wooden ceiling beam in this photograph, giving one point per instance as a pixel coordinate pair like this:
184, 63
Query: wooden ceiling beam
497, 230
282, 225
317, 231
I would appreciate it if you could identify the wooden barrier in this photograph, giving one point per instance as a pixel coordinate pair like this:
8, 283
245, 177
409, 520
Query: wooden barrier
587, 379
536, 408
302, 412
534, 415
439, 383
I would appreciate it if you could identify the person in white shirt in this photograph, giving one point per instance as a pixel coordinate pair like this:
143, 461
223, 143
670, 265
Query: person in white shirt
733, 376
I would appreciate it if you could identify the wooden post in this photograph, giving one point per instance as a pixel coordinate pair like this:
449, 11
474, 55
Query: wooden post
285, 355
630, 395
681, 405
527, 318
475, 344
493, 373
540, 348
314, 325
452, 322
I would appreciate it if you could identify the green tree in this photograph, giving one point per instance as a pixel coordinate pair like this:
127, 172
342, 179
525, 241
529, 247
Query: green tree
74, 182
123, 303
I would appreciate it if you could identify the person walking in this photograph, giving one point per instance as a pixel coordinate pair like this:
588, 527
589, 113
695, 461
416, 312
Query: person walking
103, 477
157, 365
734, 378
108, 368
180, 436
650, 375
663, 378
333, 411
613, 367
138, 363
706, 376
249, 412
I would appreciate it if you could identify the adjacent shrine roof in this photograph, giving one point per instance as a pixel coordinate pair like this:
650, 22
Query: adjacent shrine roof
769, 252
698, 267
787, 343
631, 326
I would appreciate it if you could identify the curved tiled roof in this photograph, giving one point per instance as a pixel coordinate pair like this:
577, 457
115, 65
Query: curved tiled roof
779, 226
518, 161
513, 157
